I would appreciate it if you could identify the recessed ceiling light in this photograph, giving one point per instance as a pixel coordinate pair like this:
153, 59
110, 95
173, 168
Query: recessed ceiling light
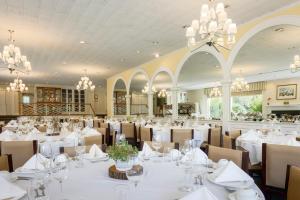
279, 29
217, 66
156, 55
123, 60
82, 42
185, 26
155, 43
64, 63
138, 51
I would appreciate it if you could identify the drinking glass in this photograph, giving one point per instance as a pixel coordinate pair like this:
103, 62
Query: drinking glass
60, 172
80, 150
135, 175
156, 143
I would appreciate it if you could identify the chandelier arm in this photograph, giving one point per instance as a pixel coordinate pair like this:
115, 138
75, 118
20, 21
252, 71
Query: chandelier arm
222, 46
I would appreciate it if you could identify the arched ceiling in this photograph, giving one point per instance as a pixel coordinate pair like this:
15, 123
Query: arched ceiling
268, 51
120, 85
200, 70
118, 34
162, 81
138, 82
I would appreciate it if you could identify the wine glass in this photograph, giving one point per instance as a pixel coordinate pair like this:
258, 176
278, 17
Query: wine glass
60, 171
80, 150
135, 175
156, 143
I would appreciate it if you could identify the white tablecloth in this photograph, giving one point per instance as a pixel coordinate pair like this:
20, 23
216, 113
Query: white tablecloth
92, 183
252, 141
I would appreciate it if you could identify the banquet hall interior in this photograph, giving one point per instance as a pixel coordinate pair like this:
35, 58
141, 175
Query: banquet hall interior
153, 100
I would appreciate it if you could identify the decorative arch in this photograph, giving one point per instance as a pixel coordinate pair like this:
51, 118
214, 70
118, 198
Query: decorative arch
219, 56
162, 69
113, 89
281, 20
136, 71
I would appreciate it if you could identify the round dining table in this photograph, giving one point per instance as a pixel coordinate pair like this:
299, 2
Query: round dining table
161, 182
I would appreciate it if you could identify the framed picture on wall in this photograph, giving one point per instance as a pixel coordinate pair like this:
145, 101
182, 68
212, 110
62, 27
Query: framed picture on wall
285, 92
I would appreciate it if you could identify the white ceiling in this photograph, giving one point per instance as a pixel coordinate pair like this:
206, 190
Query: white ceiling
49, 31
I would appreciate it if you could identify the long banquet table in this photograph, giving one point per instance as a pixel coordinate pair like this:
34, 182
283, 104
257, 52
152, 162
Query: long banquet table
92, 182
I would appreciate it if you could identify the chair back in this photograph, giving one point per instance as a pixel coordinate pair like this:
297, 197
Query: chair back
234, 133
6, 163
164, 145
104, 131
293, 182
21, 151
146, 134
94, 139
240, 158
180, 135
71, 151
228, 142
215, 136
129, 130
275, 159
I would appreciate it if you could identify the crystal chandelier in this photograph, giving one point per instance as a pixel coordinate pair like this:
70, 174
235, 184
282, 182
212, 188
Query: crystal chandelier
85, 83
146, 89
294, 67
17, 85
213, 26
162, 93
239, 84
12, 56
215, 92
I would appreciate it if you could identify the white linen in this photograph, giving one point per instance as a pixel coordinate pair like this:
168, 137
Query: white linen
203, 192
71, 139
36, 162
8, 135
230, 173
197, 156
89, 131
9, 190
175, 154
96, 152
147, 151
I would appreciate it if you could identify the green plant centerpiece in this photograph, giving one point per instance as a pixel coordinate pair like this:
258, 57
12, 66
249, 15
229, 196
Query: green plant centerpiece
122, 153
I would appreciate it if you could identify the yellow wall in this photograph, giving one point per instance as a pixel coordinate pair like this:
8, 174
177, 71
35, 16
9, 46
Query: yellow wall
172, 59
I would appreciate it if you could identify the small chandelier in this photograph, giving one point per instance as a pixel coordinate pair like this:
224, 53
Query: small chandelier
214, 26
85, 83
162, 93
17, 85
239, 84
294, 67
146, 89
215, 92
12, 56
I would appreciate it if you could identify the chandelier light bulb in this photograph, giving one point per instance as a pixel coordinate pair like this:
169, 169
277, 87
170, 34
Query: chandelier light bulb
85, 83
295, 66
17, 85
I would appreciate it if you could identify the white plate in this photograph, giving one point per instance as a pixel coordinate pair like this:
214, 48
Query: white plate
86, 156
232, 196
237, 185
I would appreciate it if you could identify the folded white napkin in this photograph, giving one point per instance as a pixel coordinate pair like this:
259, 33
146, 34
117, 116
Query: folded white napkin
7, 135
292, 142
202, 193
96, 152
36, 162
71, 139
31, 136
90, 131
230, 173
197, 155
147, 151
9, 190
250, 135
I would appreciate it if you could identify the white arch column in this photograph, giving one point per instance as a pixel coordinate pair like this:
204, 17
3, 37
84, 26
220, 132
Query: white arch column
128, 98
174, 92
150, 104
226, 98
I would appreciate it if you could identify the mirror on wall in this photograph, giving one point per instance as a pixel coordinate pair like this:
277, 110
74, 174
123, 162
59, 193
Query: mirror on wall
200, 88
119, 98
138, 90
264, 64
162, 98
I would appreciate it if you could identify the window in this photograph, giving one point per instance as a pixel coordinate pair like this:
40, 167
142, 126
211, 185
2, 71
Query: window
215, 107
26, 99
247, 104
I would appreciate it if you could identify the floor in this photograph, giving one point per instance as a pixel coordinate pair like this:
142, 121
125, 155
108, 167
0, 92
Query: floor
257, 180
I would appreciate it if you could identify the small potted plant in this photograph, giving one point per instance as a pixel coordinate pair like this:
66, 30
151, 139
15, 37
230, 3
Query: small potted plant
122, 153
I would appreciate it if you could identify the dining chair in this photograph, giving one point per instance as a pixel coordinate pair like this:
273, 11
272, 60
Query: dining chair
21, 151
71, 151
109, 135
228, 142
6, 163
275, 159
180, 135
240, 158
234, 133
94, 139
129, 130
104, 131
146, 134
138, 134
164, 145
215, 136
292, 182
